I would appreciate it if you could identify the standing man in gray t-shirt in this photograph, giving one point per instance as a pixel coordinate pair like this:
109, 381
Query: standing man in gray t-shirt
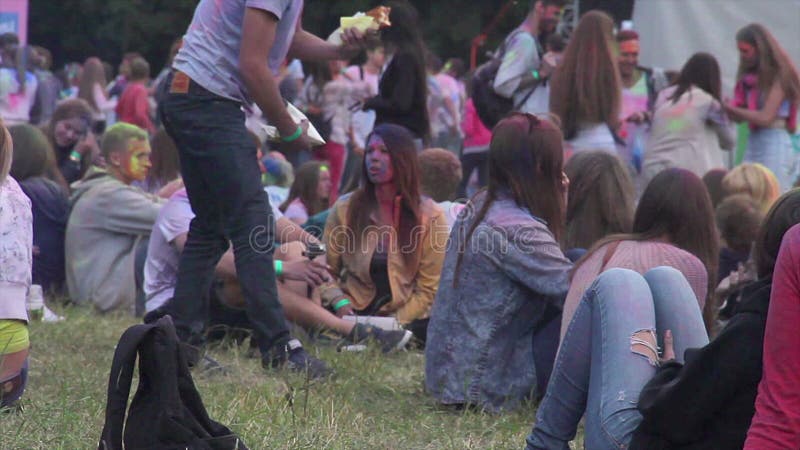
230, 58
522, 68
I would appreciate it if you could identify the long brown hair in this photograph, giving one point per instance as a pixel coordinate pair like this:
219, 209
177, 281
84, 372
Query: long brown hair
34, 156
784, 214
774, 64
400, 144
676, 205
93, 74
526, 159
701, 71
304, 187
166, 165
600, 201
68, 109
586, 86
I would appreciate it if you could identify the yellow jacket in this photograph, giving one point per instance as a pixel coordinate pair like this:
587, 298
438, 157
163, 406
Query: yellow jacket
413, 285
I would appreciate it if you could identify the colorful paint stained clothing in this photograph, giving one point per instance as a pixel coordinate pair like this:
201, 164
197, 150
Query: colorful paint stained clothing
689, 133
523, 55
210, 52
16, 250
413, 285
107, 222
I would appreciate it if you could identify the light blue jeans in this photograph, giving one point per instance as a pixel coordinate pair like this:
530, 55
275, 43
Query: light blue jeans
596, 371
772, 147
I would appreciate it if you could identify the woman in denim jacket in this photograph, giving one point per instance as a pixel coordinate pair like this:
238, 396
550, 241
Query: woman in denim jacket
505, 277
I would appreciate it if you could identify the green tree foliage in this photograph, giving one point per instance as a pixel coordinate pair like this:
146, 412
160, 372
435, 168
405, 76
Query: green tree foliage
75, 29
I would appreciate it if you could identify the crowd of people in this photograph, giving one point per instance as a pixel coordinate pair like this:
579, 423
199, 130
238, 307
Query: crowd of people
593, 251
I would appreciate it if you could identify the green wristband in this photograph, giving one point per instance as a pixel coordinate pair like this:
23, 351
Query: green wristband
341, 304
75, 156
536, 75
278, 267
295, 136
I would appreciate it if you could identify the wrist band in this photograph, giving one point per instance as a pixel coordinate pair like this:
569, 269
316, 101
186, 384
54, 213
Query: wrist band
536, 75
341, 304
75, 156
295, 136
278, 267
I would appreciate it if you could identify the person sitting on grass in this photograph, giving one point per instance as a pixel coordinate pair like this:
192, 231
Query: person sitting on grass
625, 287
295, 272
493, 330
309, 192
716, 388
755, 180
16, 259
110, 222
386, 241
34, 161
440, 176
738, 218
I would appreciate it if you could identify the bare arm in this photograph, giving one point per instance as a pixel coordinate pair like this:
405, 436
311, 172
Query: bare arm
307, 47
764, 116
288, 231
258, 36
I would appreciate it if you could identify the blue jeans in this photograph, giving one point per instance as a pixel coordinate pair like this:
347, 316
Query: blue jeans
596, 371
772, 147
220, 170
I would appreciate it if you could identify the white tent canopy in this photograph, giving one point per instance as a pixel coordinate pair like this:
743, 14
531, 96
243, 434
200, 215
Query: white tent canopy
672, 30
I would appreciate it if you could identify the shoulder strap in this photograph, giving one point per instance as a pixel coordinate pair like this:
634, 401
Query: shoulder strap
612, 248
361, 72
119, 385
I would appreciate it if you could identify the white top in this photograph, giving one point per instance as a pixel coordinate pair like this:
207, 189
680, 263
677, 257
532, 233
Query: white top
690, 133
591, 137
104, 104
16, 245
15, 105
210, 52
161, 266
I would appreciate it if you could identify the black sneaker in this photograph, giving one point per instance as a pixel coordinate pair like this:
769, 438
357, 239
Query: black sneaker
388, 340
295, 358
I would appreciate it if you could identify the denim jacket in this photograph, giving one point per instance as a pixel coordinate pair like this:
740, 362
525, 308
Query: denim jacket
480, 337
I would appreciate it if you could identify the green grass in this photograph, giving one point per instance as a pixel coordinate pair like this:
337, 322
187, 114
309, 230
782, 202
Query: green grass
373, 402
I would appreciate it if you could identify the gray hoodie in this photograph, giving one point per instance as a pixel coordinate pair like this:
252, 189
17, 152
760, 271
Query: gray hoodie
107, 221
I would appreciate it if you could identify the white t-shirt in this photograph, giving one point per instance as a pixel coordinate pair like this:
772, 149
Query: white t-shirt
363, 121
210, 52
15, 106
161, 266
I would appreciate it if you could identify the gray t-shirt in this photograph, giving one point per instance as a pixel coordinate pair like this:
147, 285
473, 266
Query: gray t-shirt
210, 52
521, 57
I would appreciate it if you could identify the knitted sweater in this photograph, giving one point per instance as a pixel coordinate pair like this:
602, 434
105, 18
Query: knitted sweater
640, 257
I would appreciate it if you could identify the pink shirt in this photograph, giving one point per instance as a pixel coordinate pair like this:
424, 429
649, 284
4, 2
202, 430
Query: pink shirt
475, 132
639, 257
776, 424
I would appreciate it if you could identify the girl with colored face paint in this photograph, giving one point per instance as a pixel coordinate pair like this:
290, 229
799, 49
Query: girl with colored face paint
766, 97
386, 237
378, 162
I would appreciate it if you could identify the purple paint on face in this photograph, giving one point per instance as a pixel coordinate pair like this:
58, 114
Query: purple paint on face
378, 161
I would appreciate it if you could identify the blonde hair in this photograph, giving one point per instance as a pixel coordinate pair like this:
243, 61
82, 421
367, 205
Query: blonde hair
755, 180
6, 152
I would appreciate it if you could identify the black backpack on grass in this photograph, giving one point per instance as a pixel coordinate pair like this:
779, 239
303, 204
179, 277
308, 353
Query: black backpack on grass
166, 412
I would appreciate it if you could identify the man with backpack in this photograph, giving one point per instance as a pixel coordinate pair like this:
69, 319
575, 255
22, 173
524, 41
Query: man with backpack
230, 58
522, 67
